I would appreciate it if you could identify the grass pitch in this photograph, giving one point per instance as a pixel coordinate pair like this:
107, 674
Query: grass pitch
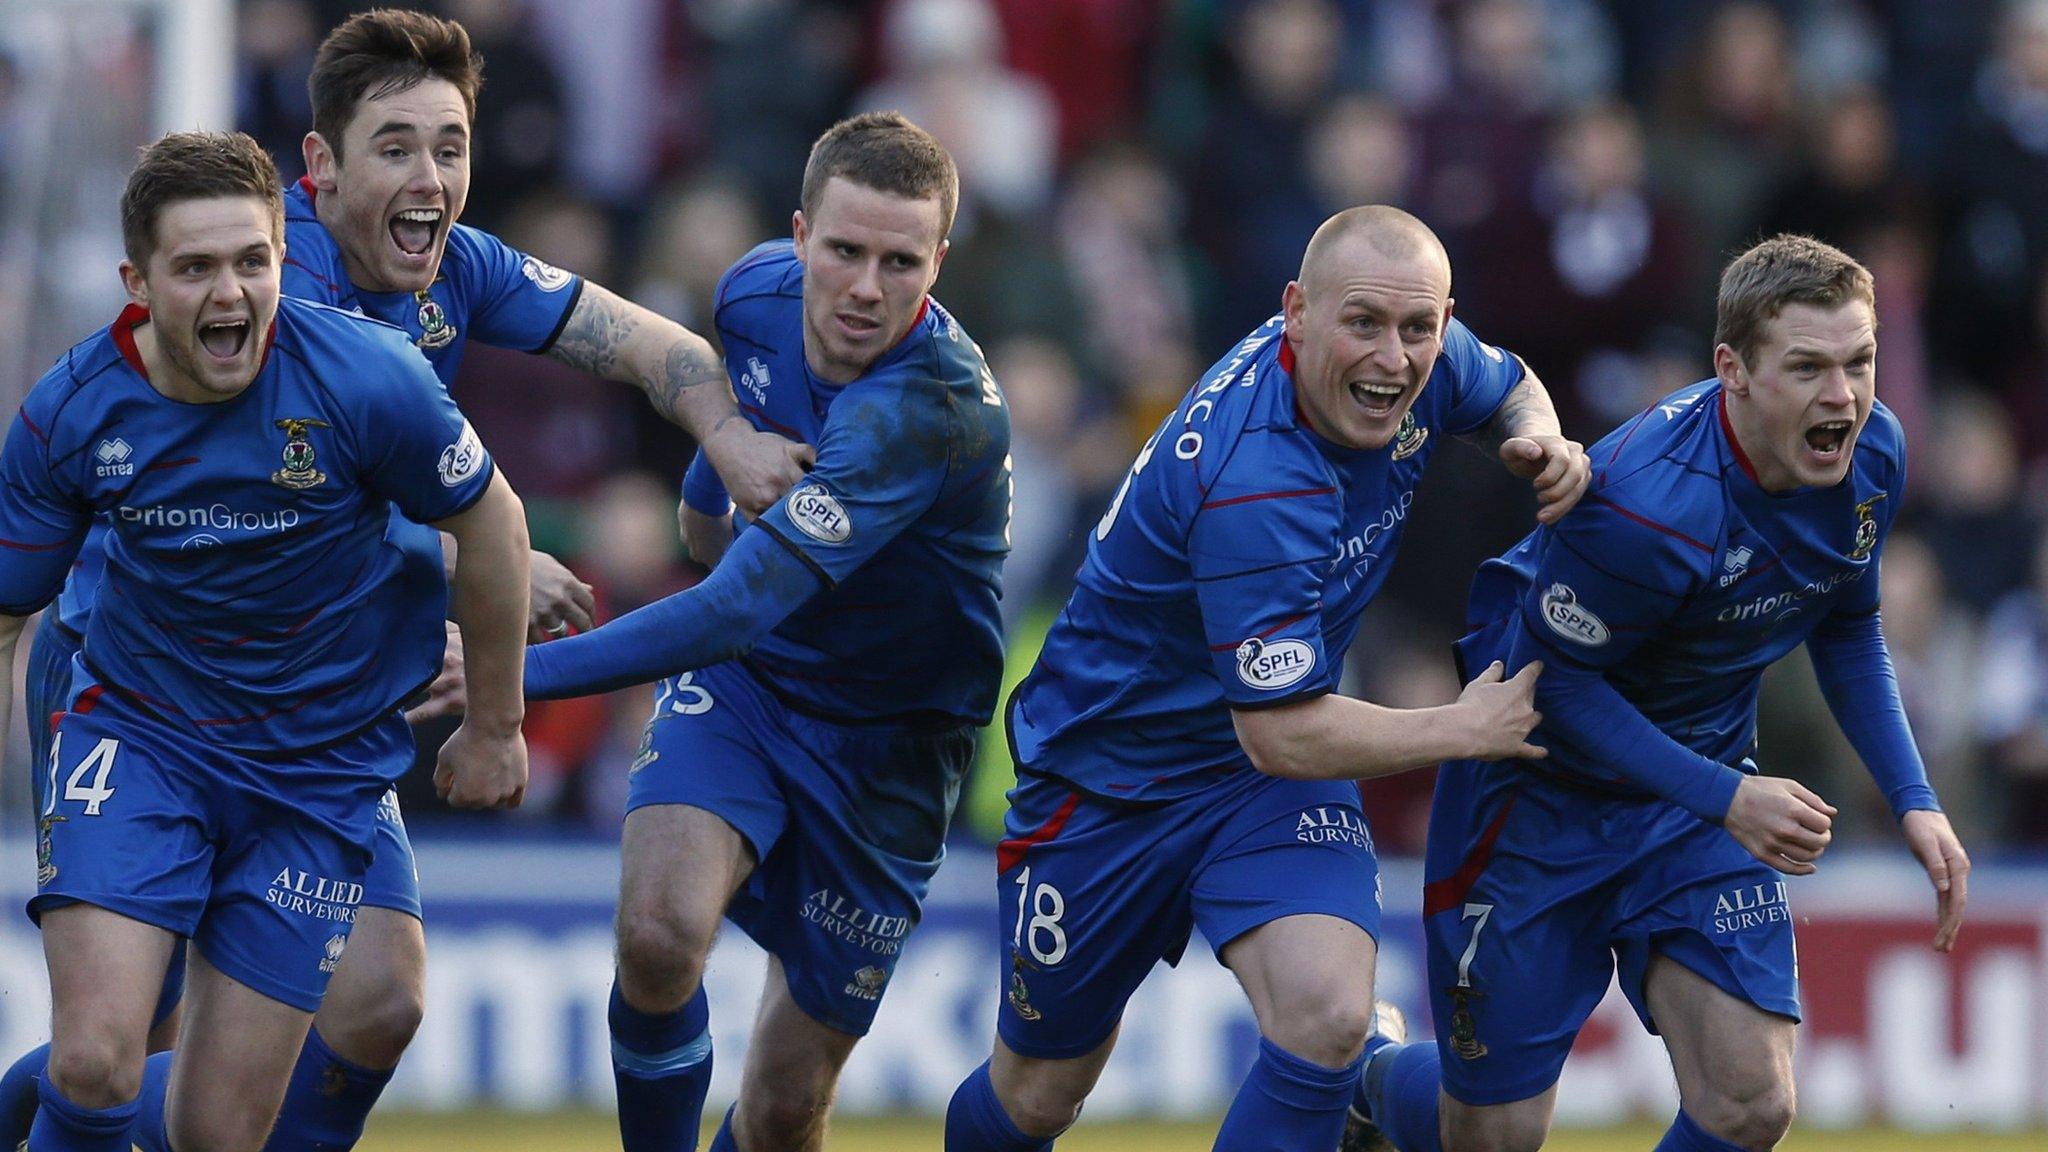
594, 1132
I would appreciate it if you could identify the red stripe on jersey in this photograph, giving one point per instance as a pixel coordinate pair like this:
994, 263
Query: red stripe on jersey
1646, 522
18, 546
88, 699
1010, 852
1294, 619
784, 429
1269, 496
1448, 893
132, 317
31, 426
1734, 445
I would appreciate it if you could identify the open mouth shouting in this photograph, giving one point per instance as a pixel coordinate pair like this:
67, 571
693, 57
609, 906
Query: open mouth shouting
857, 326
414, 231
225, 340
1378, 401
1828, 441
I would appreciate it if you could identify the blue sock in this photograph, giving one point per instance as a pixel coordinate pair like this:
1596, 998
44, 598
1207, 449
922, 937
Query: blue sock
1287, 1103
327, 1103
723, 1142
149, 1133
1400, 1093
662, 1066
62, 1126
1685, 1135
976, 1121
18, 1095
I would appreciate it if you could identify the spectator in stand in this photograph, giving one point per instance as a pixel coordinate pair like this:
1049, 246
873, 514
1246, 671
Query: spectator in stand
696, 231
1120, 231
521, 117
2013, 717
1975, 515
1582, 273
1934, 647
274, 55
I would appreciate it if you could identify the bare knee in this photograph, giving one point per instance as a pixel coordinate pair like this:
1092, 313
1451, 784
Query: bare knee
1327, 1030
374, 1026
787, 1117
1040, 1104
96, 1072
1751, 1116
661, 956
219, 1130
1522, 1126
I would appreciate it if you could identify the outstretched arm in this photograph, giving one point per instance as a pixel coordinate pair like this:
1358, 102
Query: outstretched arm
757, 586
610, 336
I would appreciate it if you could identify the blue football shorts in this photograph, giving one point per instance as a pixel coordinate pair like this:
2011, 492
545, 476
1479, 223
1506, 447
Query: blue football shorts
393, 881
260, 863
1536, 889
847, 823
1094, 892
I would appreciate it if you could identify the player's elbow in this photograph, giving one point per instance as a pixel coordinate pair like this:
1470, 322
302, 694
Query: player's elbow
1270, 742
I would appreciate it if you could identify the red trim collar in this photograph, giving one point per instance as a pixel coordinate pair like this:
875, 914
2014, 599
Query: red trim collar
134, 316
312, 193
1734, 445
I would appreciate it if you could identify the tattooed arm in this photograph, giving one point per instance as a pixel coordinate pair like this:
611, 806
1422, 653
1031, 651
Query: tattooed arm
613, 337
1525, 434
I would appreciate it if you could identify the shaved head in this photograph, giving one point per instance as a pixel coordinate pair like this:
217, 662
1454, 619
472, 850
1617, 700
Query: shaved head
1381, 230
1366, 321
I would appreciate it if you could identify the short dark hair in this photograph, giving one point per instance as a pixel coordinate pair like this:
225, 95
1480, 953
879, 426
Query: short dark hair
886, 152
1785, 269
382, 51
195, 166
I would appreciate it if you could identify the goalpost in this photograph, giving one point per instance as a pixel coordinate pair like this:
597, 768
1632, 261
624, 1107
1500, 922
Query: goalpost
83, 84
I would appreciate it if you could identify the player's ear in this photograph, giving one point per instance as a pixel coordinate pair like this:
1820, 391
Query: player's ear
938, 258
320, 162
799, 230
1294, 307
133, 280
1444, 325
1729, 368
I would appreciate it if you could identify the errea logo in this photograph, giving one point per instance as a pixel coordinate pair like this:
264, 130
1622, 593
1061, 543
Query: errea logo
1572, 620
818, 515
113, 458
1735, 564
1268, 666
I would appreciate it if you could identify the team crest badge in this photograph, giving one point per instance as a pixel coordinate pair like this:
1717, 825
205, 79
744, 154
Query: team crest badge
435, 331
1409, 437
1020, 996
1464, 1034
45, 870
298, 470
1866, 527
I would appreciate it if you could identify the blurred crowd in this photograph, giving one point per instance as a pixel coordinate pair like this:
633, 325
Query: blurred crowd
1138, 180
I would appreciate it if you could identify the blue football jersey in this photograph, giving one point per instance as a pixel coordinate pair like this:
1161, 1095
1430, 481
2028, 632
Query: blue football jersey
486, 291
1230, 571
906, 518
1681, 580
249, 596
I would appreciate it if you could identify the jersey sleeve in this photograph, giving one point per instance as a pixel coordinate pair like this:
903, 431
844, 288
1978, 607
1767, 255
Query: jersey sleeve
417, 449
883, 456
43, 521
703, 490
1259, 549
1609, 579
1481, 377
516, 300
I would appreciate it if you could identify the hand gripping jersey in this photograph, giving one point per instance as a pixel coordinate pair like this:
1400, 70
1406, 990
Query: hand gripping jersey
1675, 582
486, 291
1230, 571
249, 598
905, 519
